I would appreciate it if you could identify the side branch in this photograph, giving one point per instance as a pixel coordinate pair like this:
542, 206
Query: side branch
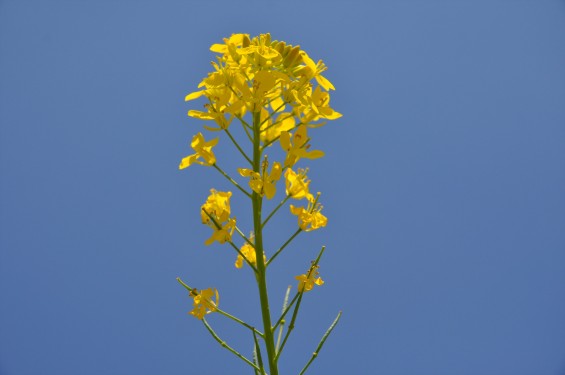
225, 345
232, 180
324, 338
283, 246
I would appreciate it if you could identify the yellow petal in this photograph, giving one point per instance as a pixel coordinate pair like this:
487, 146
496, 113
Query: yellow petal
322, 81
194, 95
188, 161
201, 115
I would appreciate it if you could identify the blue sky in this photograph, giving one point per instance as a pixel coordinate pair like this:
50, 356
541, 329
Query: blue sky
443, 184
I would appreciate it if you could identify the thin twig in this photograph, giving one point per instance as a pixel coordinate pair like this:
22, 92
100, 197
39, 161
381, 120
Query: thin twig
237, 146
232, 180
275, 210
322, 341
225, 345
281, 320
258, 352
283, 246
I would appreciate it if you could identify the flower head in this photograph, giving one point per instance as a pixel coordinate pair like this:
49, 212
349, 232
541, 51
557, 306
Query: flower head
298, 147
248, 251
203, 151
265, 183
307, 281
297, 184
217, 205
222, 232
205, 302
310, 218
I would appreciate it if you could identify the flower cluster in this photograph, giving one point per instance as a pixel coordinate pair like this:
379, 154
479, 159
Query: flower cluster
276, 93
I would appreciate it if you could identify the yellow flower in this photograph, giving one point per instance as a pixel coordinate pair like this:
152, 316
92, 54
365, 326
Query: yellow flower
223, 233
298, 147
265, 184
306, 281
203, 150
284, 122
203, 303
297, 184
248, 252
313, 70
319, 106
217, 205
309, 218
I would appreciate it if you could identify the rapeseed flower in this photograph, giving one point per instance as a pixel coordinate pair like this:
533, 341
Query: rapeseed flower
205, 302
203, 151
298, 147
264, 184
307, 281
297, 184
309, 218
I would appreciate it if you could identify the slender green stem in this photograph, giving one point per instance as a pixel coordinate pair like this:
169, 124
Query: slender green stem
322, 341
281, 321
255, 360
258, 352
237, 146
275, 210
285, 310
291, 325
261, 269
283, 246
244, 237
231, 180
246, 127
227, 315
225, 345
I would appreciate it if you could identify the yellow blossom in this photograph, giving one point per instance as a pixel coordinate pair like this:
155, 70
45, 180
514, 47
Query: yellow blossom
248, 252
203, 151
264, 184
313, 70
298, 147
297, 184
306, 281
203, 303
319, 107
223, 233
270, 130
309, 218
217, 205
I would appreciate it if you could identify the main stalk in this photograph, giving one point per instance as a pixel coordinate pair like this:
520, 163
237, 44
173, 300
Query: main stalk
261, 270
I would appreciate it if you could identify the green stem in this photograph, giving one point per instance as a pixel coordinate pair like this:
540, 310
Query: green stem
275, 210
322, 341
281, 320
258, 352
231, 180
237, 146
227, 315
261, 269
285, 310
244, 237
225, 345
283, 246
246, 127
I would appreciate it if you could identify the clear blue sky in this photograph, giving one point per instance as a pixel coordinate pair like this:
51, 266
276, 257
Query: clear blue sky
444, 184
